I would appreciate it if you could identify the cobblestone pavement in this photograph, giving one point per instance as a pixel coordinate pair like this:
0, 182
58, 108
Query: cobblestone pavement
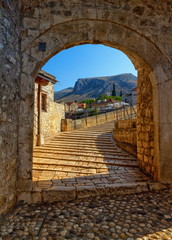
145, 216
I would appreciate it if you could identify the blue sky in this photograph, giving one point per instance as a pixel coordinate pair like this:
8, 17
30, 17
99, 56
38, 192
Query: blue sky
87, 61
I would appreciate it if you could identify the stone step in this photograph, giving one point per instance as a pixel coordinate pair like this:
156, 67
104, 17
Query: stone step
60, 172
92, 131
68, 139
88, 152
63, 153
83, 145
85, 149
95, 143
51, 193
84, 134
83, 154
83, 138
74, 161
71, 168
76, 165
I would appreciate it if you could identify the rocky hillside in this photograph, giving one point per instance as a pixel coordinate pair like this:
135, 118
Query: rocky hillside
92, 87
63, 93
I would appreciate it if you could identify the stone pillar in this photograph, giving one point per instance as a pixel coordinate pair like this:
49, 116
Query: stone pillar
40, 137
26, 125
163, 146
9, 100
145, 124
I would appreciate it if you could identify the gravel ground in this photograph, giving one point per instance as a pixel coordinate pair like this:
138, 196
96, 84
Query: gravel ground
135, 216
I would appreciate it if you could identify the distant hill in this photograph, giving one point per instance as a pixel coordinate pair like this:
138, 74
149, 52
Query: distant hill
92, 87
63, 93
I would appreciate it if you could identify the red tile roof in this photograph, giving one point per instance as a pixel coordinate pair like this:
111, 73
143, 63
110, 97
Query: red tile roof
134, 89
69, 103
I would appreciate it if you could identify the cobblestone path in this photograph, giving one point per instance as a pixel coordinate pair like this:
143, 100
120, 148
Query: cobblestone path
144, 216
86, 157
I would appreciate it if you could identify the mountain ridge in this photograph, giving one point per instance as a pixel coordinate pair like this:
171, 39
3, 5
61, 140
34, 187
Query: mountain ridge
85, 88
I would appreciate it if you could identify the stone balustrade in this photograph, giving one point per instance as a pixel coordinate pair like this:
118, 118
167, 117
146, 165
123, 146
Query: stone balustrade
69, 124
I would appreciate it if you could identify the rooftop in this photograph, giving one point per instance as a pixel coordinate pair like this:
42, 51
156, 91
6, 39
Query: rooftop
47, 76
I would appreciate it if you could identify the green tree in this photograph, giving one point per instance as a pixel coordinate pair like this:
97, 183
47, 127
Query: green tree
101, 97
120, 94
88, 101
114, 91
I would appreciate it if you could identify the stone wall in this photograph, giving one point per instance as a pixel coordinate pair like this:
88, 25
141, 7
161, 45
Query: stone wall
145, 124
51, 118
125, 135
140, 138
141, 29
69, 124
9, 101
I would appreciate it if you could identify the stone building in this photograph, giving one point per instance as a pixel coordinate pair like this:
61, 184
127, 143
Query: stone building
104, 103
71, 106
127, 97
141, 29
47, 113
131, 97
134, 96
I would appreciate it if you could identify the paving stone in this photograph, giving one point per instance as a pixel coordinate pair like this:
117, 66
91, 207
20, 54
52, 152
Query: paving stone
128, 217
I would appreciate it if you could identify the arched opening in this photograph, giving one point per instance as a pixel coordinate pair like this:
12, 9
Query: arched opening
147, 60
33, 32
55, 160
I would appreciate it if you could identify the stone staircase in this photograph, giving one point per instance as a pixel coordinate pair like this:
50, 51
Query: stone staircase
85, 163
81, 153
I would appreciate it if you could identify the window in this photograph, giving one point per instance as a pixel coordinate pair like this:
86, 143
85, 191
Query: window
44, 102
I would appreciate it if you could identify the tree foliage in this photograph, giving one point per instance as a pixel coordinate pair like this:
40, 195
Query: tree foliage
114, 91
102, 97
88, 101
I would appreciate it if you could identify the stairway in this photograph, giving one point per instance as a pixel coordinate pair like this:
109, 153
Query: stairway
89, 153
84, 163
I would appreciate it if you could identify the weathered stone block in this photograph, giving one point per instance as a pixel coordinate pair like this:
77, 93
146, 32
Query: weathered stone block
126, 188
67, 125
126, 136
156, 186
57, 194
80, 123
146, 159
87, 191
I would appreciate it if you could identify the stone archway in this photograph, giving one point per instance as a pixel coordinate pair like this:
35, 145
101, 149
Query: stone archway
147, 58
141, 29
